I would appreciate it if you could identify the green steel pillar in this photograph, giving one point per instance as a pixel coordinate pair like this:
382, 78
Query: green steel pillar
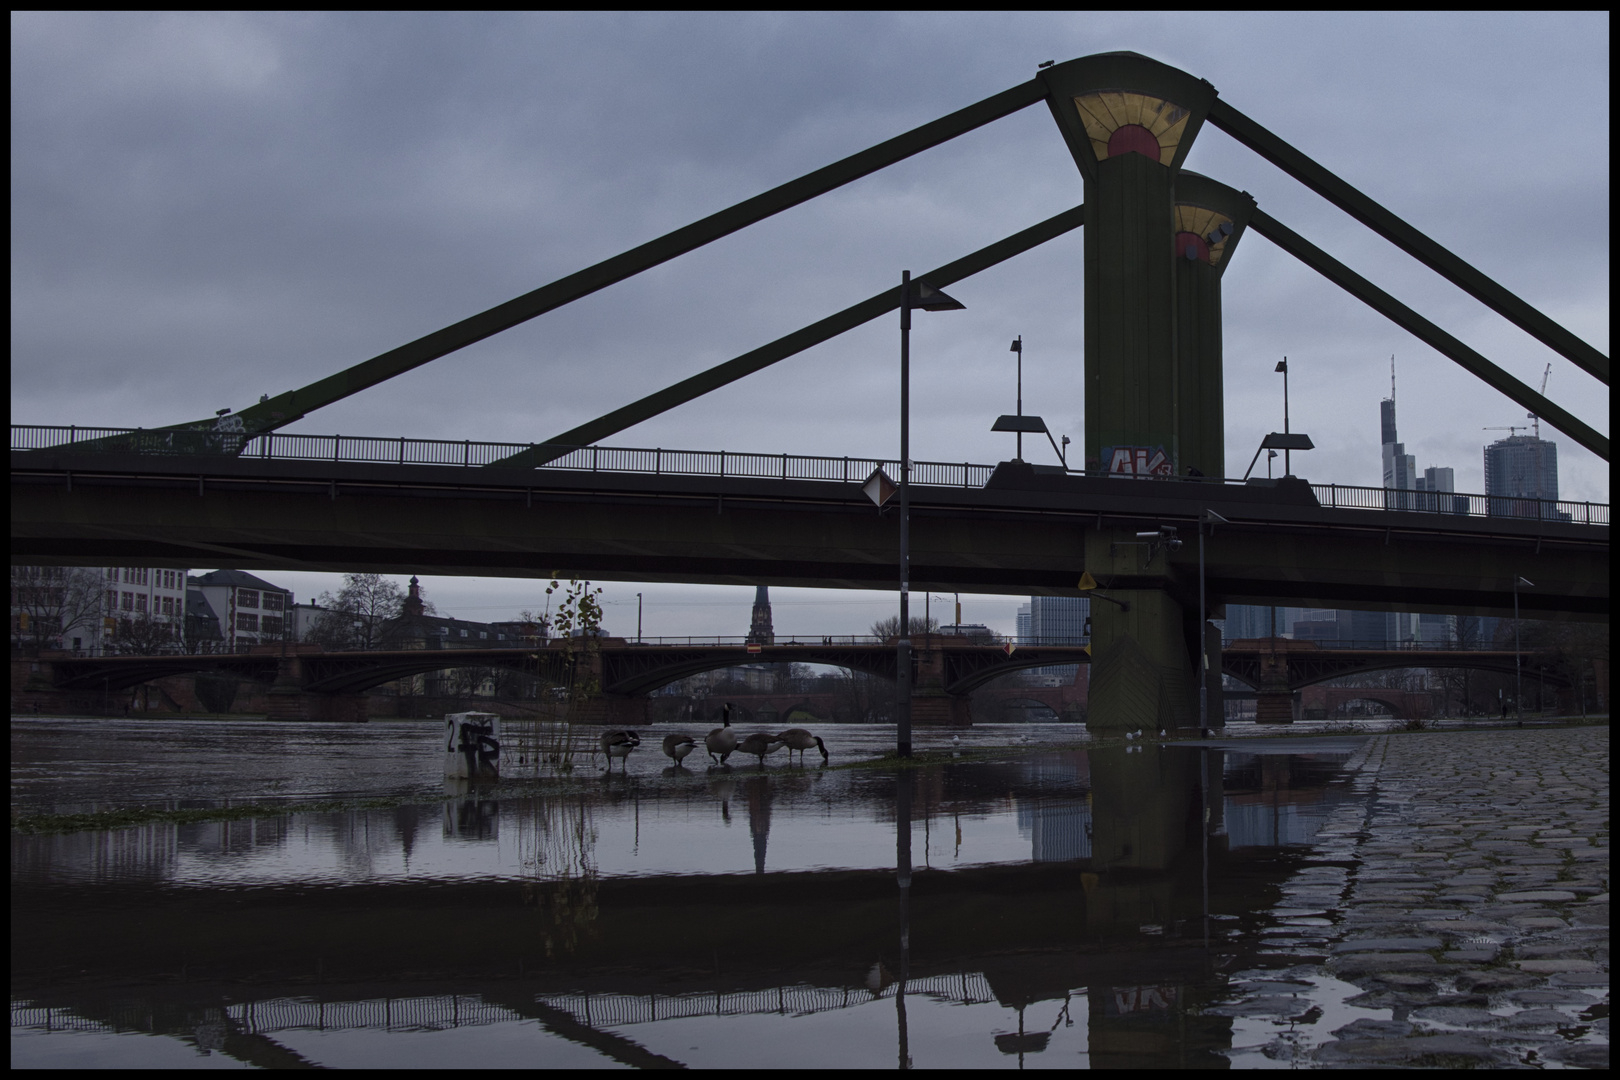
1209, 221
1129, 122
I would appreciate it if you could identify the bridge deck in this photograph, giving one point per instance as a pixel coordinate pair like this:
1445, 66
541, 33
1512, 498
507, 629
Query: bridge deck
1018, 534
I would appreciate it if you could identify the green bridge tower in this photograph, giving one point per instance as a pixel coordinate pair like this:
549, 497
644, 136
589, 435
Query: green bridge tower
1157, 240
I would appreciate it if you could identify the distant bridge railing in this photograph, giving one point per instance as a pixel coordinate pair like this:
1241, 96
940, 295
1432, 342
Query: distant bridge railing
658, 461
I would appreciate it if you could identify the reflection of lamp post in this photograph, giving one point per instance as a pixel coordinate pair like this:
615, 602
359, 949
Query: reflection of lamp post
1518, 657
925, 296
1203, 623
902, 867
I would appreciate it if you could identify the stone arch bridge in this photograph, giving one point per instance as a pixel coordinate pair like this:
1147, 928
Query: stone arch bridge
311, 683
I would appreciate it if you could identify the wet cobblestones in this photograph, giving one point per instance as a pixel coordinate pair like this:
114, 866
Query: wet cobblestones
1456, 917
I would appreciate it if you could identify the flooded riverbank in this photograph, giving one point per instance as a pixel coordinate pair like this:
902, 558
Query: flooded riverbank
1053, 907
1032, 905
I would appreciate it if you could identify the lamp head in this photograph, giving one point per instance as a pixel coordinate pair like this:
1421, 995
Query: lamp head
1282, 365
928, 298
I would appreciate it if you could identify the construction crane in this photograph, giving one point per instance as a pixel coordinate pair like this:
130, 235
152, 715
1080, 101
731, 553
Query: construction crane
1532, 417
1510, 429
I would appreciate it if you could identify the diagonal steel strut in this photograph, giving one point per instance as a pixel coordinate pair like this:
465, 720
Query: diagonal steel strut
1381, 221
784, 347
283, 409
1426, 331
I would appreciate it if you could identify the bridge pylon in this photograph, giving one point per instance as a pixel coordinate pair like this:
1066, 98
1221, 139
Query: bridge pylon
1157, 240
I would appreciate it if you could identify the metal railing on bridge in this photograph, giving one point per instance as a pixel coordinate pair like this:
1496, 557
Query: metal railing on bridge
658, 461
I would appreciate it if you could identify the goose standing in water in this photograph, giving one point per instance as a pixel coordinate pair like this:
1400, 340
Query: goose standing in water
618, 744
759, 744
678, 745
801, 740
722, 741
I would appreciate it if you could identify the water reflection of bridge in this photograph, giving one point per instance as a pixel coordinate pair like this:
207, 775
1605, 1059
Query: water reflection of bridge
436, 1012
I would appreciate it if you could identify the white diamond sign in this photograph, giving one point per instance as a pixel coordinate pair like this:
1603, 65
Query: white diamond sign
878, 487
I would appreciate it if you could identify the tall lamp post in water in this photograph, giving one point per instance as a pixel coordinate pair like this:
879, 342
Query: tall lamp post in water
912, 295
1518, 657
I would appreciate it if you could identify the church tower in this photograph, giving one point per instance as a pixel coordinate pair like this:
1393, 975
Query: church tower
759, 627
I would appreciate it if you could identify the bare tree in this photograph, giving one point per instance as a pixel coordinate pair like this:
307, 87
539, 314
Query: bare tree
354, 618
49, 602
536, 627
144, 634
884, 629
864, 698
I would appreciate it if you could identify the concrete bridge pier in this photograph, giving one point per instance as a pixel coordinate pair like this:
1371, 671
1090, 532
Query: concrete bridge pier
931, 704
288, 700
1274, 697
1141, 670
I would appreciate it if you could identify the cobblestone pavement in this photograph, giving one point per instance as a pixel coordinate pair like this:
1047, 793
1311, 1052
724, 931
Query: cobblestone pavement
1458, 916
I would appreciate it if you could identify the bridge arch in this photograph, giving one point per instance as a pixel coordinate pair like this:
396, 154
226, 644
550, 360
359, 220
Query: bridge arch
1308, 669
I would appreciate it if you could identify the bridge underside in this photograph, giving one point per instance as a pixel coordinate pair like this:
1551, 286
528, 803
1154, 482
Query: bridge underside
1281, 546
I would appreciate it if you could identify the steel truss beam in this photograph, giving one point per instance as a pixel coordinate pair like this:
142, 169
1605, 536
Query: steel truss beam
796, 342
1408, 239
283, 409
1426, 331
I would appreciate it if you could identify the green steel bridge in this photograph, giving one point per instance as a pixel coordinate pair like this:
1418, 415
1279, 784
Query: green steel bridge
236, 489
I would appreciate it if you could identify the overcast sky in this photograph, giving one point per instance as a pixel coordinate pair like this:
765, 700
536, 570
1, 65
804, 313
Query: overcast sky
211, 207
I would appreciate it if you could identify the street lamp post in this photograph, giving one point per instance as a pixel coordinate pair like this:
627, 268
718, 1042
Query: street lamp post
928, 298
1288, 457
1518, 657
1018, 347
638, 618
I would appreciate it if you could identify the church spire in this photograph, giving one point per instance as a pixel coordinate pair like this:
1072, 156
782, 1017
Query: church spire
413, 607
759, 626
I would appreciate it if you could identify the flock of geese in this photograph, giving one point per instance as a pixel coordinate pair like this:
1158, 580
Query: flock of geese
721, 743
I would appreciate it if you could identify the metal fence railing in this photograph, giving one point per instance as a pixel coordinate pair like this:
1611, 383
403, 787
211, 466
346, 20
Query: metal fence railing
719, 463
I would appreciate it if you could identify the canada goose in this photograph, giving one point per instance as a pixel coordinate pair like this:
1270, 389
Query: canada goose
722, 741
759, 744
618, 744
801, 740
678, 745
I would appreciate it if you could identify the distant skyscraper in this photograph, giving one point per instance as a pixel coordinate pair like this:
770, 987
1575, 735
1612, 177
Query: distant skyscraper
1367, 629
1518, 470
1058, 620
1399, 466
759, 627
1246, 621
1441, 483
1026, 636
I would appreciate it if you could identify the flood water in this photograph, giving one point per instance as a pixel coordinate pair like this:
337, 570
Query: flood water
1025, 904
